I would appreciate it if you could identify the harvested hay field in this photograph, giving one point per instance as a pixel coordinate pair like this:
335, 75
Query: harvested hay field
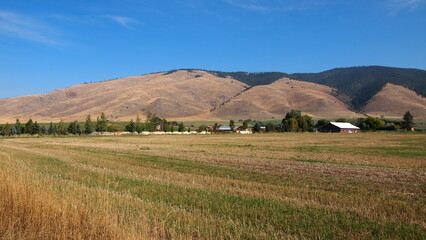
264, 186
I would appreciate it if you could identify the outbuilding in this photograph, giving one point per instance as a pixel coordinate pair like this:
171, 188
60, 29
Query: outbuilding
224, 129
340, 127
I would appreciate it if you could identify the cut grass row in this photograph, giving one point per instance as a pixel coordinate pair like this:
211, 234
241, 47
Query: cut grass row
207, 195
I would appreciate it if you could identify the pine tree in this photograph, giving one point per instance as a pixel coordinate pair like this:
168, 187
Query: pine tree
88, 125
52, 129
36, 128
232, 124
13, 130
29, 127
181, 128
43, 130
408, 122
72, 128
131, 127
18, 127
101, 123
7, 129
138, 125
61, 130
151, 122
78, 128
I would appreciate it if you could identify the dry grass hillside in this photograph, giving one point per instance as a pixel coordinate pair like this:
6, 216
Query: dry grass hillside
393, 101
199, 95
177, 95
276, 99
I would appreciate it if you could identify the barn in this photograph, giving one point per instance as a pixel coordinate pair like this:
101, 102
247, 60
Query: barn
342, 127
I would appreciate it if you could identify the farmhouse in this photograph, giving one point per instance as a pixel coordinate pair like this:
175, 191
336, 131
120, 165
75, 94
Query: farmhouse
342, 127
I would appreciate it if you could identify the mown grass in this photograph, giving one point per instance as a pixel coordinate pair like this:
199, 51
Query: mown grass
275, 186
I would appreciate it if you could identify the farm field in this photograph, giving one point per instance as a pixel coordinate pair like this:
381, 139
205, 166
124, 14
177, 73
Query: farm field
262, 186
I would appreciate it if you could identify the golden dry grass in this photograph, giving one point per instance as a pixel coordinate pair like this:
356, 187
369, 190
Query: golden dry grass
271, 186
394, 100
27, 212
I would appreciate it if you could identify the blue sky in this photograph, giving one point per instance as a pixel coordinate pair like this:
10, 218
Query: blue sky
51, 44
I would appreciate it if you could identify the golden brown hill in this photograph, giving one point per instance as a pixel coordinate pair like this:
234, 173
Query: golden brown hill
180, 94
276, 99
394, 100
199, 95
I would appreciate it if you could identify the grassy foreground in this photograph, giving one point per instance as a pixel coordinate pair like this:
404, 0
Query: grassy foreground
271, 186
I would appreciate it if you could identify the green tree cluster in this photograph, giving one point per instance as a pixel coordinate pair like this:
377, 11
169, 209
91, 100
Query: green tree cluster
295, 122
321, 123
74, 128
369, 123
166, 126
202, 128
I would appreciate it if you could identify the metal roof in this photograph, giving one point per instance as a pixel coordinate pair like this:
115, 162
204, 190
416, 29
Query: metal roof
224, 128
344, 125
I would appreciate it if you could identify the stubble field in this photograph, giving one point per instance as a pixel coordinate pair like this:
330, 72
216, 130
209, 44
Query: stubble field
263, 186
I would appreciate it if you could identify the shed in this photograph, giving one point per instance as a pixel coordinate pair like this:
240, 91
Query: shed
342, 127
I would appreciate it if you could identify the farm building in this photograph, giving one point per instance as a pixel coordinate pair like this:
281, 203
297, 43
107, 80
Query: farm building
342, 127
224, 129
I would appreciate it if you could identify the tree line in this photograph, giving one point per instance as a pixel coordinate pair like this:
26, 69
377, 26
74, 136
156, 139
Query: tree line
101, 125
293, 121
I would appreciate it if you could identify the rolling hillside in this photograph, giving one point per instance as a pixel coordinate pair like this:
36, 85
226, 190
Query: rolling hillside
212, 95
276, 99
393, 101
355, 85
360, 84
178, 95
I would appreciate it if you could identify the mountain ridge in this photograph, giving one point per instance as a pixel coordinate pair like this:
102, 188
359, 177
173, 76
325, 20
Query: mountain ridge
355, 85
203, 95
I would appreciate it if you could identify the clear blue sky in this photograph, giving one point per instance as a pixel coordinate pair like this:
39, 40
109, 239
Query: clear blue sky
51, 44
